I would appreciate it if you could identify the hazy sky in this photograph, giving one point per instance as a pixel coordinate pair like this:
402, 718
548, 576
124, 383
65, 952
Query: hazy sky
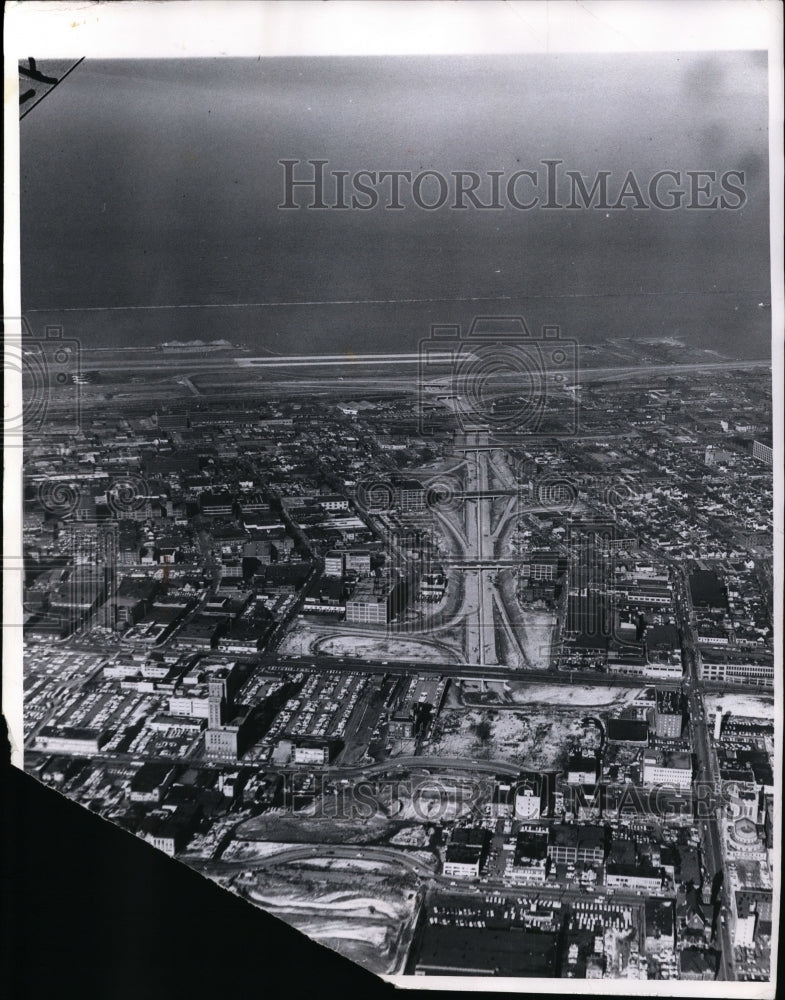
157, 183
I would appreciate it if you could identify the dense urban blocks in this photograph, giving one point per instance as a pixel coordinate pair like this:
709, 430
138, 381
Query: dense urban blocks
448, 705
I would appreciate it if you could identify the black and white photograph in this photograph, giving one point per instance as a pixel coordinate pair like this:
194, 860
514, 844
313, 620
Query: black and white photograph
392, 477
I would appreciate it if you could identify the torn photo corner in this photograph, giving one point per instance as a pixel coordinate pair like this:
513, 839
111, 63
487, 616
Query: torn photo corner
393, 471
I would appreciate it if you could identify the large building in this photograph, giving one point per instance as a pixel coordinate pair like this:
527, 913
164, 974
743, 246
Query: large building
657, 670
763, 452
715, 455
530, 798
367, 605
151, 781
358, 560
193, 705
461, 861
668, 714
542, 564
698, 964
530, 861
171, 833
744, 838
663, 645
563, 844
223, 743
315, 755
660, 927
410, 496
707, 591
643, 878
466, 852
750, 893
634, 732
582, 769
332, 502
737, 668
71, 740
673, 769
224, 736
376, 602
334, 564
469, 951
569, 844
591, 844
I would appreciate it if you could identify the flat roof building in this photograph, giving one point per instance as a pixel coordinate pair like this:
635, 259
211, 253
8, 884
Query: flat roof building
667, 768
632, 731
70, 740
469, 951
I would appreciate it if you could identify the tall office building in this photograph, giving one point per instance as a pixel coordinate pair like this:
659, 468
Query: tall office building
763, 452
226, 729
216, 687
668, 714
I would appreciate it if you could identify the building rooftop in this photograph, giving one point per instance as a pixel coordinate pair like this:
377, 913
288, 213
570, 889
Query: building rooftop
564, 835
698, 962
668, 758
627, 731
474, 836
707, 589
748, 874
669, 702
462, 854
591, 836
150, 776
485, 952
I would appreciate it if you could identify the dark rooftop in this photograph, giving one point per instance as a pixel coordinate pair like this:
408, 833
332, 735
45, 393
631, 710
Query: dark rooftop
150, 776
707, 589
474, 836
465, 951
627, 731
462, 854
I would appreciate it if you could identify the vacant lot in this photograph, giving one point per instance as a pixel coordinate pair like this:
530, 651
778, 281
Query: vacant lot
385, 647
753, 705
432, 799
580, 695
308, 639
535, 740
363, 915
298, 828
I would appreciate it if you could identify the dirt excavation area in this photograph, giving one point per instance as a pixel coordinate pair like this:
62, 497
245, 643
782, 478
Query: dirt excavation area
534, 740
385, 646
608, 698
308, 639
532, 725
365, 915
362, 823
